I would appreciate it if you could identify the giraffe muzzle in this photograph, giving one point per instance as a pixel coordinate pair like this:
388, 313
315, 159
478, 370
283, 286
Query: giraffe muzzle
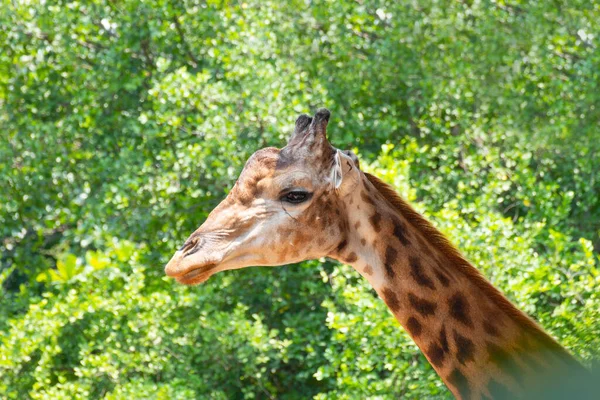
197, 275
190, 268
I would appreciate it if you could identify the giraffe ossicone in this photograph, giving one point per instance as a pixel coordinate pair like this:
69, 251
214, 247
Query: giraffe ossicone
310, 200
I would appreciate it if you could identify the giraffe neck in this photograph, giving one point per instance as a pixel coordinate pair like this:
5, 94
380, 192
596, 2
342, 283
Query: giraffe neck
475, 339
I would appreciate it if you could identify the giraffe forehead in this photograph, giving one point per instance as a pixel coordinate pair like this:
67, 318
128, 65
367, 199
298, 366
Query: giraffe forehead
314, 158
259, 166
262, 160
293, 179
272, 167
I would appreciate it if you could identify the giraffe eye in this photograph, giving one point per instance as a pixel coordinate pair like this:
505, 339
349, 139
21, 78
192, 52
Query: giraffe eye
296, 197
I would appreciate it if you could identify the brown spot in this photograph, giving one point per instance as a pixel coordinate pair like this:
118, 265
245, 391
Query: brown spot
460, 383
416, 271
459, 309
400, 232
391, 256
444, 339
391, 299
464, 348
351, 257
357, 225
368, 270
442, 278
490, 329
363, 241
351, 200
436, 355
375, 220
422, 306
342, 245
505, 361
366, 198
413, 326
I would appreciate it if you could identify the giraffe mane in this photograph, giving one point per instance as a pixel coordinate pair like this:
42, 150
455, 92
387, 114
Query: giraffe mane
438, 240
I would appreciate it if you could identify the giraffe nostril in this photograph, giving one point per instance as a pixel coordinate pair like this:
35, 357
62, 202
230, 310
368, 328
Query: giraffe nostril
192, 246
194, 249
190, 243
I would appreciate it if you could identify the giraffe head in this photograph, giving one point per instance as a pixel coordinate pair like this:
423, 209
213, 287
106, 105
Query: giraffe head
287, 206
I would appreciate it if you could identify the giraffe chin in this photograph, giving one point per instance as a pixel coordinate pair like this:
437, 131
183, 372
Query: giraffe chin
197, 275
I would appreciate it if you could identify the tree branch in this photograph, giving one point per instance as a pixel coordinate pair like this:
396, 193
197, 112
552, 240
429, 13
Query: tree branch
184, 43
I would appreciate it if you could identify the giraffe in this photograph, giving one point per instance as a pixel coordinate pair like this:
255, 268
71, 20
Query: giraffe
310, 200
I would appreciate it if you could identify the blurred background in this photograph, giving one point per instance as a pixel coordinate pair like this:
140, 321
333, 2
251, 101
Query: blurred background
123, 123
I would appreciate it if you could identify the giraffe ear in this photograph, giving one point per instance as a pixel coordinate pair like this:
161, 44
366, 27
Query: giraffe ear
344, 173
336, 171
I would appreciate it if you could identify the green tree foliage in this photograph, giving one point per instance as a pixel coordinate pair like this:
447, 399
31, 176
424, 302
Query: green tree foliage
123, 123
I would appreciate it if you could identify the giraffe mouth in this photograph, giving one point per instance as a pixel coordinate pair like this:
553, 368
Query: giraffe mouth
197, 275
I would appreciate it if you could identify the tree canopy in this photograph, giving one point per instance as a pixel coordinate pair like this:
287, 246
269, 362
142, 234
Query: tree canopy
123, 123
